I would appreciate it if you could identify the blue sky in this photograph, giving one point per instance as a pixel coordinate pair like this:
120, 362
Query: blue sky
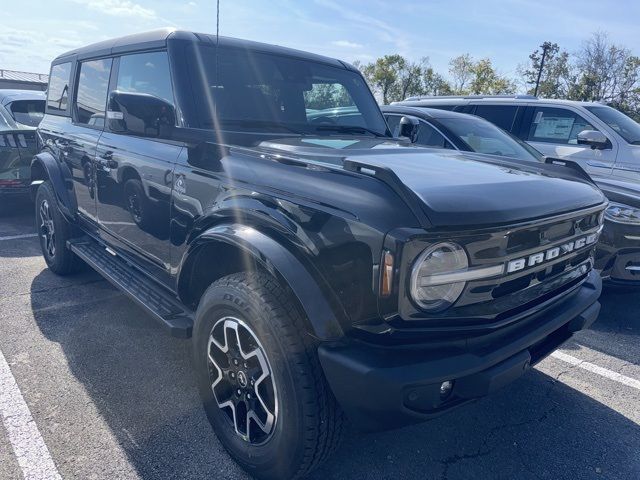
32, 32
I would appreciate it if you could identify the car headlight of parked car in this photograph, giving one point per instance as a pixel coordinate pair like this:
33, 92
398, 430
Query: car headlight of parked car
620, 213
435, 283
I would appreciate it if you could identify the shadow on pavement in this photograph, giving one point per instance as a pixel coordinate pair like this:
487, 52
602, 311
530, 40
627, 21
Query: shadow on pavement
617, 329
140, 381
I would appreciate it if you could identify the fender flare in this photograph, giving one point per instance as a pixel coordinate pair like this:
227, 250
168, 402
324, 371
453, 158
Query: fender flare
60, 178
285, 266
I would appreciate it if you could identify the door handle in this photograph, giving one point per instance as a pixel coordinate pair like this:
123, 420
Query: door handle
168, 177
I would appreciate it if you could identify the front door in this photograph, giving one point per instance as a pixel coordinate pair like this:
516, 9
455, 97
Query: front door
135, 173
554, 132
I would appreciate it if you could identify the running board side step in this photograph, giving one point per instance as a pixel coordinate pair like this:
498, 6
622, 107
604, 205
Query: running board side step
153, 298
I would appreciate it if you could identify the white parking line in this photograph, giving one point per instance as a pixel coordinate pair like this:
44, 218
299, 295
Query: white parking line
591, 367
29, 447
15, 237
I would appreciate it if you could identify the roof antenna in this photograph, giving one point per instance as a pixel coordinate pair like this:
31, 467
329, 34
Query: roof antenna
217, 22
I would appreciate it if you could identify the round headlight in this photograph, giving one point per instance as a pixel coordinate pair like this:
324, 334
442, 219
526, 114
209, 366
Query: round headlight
429, 286
620, 213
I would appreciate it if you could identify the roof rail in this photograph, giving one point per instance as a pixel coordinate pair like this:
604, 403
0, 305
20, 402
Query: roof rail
468, 97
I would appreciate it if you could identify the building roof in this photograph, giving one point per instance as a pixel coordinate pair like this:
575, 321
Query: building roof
24, 76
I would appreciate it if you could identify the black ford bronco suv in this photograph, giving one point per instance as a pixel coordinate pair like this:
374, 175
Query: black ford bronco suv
252, 197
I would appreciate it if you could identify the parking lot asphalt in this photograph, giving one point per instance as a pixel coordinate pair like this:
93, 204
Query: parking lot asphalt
113, 396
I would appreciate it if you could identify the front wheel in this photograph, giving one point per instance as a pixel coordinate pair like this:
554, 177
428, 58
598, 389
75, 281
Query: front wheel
54, 231
260, 379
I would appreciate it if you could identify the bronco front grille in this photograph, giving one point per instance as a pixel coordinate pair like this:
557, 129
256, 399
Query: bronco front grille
490, 299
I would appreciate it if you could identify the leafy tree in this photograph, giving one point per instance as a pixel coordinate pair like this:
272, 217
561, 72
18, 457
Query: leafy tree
606, 71
434, 84
409, 79
477, 78
556, 77
486, 81
461, 71
384, 76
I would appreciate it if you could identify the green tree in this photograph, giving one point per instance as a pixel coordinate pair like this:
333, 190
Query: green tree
478, 77
461, 72
383, 76
556, 77
486, 81
410, 79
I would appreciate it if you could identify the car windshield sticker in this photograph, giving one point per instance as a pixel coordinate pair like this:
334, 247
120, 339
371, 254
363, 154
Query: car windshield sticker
554, 127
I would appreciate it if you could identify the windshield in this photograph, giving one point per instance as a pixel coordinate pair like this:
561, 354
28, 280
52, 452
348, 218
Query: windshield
483, 137
27, 112
623, 125
262, 92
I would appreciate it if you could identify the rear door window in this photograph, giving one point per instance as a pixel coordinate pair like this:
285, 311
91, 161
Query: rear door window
557, 125
58, 91
91, 99
500, 115
146, 73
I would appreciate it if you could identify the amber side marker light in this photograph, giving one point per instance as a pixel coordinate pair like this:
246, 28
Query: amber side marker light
387, 274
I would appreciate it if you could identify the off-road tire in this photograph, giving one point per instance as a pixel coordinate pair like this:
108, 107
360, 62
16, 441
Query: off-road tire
63, 261
309, 423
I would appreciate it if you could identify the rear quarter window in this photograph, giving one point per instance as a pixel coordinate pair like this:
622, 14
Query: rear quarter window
27, 112
58, 91
502, 116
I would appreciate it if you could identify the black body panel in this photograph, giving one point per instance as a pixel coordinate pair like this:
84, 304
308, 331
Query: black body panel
178, 207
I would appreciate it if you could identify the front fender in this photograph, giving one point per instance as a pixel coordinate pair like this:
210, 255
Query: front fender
318, 303
45, 167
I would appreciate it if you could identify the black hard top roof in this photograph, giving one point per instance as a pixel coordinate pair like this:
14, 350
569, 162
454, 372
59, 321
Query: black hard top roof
159, 38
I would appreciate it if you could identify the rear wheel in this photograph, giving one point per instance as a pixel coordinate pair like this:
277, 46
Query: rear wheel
54, 231
260, 379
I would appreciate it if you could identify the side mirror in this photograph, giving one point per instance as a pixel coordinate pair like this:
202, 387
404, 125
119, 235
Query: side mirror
140, 114
409, 128
594, 138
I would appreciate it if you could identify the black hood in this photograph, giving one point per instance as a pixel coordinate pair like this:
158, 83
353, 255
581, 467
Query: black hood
455, 188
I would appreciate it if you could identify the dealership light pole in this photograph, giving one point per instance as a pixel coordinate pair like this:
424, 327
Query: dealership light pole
545, 46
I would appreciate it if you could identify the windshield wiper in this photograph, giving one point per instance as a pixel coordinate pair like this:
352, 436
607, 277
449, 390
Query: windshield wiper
349, 129
249, 123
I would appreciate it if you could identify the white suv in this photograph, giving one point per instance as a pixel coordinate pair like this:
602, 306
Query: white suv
600, 138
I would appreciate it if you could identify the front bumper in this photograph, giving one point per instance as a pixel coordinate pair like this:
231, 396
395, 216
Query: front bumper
618, 254
387, 387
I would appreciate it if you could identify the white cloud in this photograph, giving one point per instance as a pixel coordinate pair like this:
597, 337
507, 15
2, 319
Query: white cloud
33, 50
118, 8
385, 31
346, 44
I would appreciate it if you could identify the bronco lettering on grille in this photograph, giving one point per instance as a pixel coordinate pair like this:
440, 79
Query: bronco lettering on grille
550, 254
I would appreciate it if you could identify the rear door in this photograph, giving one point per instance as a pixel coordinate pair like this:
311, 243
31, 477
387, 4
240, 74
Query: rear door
135, 173
553, 130
80, 138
